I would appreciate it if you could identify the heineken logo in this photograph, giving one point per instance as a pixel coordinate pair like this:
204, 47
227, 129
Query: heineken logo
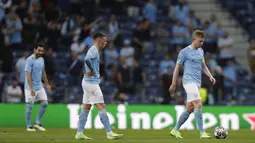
132, 116
146, 120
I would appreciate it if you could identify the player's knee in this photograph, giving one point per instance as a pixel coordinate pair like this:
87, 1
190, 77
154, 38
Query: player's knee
198, 106
86, 107
44, 104
190, 110
100, 106
189, 107
30, 106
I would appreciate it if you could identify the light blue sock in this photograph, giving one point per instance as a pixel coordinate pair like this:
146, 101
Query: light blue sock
199, 119
184, 116
105, 121
41, 111
29, 107
82, 120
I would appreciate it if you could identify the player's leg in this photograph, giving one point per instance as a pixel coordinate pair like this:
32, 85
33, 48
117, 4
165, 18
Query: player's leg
199, 118
99, 102
198, 114
105, 121
42, 98
182, 119
185, 115
29, 106
197, 103
82, 122
84, 113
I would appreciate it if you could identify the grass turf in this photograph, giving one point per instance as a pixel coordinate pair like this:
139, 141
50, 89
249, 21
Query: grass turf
53, 135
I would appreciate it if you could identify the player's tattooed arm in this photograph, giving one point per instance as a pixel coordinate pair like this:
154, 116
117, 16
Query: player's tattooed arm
45, 79
29, 79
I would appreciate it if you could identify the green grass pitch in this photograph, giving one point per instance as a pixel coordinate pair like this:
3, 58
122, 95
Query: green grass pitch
53, 135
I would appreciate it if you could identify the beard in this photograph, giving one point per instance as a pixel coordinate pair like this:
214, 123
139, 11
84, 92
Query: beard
38, 55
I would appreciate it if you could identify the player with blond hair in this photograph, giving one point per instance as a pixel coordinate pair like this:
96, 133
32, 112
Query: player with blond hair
192, 60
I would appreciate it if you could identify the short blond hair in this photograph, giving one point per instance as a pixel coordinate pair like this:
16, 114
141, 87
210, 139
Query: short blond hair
199, 33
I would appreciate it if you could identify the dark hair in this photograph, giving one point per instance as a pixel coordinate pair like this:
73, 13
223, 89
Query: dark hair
99, 35
38, 45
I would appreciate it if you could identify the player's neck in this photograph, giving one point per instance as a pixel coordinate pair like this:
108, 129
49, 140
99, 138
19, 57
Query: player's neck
192, 46
96, 46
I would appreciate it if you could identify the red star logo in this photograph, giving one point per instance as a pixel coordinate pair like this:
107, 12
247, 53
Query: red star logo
251, 119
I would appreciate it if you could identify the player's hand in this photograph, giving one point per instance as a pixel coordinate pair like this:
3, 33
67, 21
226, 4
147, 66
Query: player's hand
32, 92
172, 88
48, 87
213, 80
89, 74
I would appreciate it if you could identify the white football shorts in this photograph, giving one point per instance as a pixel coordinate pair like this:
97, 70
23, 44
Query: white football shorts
92, 93
39, 95
193, 91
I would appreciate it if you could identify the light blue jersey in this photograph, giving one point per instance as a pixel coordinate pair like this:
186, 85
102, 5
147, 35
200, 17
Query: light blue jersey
92, 61
36, 67
192, 60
